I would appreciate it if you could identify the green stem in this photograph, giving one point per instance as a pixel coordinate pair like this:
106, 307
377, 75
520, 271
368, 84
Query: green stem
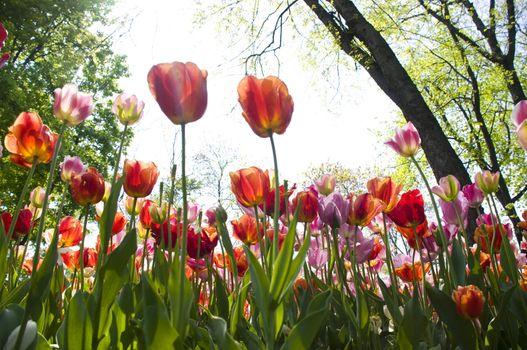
81, 255
452, 281
276, 202
183, 252
119, 152
389, 260
144, 251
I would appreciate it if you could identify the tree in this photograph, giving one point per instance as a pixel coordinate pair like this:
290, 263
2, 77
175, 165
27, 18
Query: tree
53, 43
386, 40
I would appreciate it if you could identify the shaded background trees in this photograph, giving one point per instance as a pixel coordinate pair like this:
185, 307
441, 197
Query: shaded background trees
53, 43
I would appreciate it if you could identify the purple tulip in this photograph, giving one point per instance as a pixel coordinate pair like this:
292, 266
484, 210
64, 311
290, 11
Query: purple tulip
333, 210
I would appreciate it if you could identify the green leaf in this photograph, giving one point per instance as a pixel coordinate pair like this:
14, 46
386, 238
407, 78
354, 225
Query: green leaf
239, 304
391, 302
460, 327
78, 324
218, 331
221, 300
157, 328
414, 324
108, 215
458, 259
517, 306
10, 318
180, 294
227, 244
306, 330
16, 295
507, 259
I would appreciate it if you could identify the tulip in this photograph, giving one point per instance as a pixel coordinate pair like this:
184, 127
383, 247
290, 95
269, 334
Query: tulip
37, 197
406, 141
129, 205
487, 235
308, 201
242, 263
409, 211
70, 231
72, 106
268, 204
144, 215
119, 222
128, 109
469, 301
210, 214
107, 191
208, 239
30, 141
250, 186
193, 212
455, 211
244, 229
385, 190
333, 210
404, 268
161, 234
23, 225
3, 36
521, 133
473, 195
488, 182
316, 255
519, 113
70, 167
180, 89
362, 209
140, 178
266, 103
88, 187
326, 184
448, 188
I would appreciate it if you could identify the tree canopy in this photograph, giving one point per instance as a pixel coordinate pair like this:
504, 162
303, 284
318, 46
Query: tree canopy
52, 43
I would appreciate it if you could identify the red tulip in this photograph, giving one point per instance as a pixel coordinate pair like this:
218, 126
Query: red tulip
144, 214
88, 187
180, 89
269, 200
29, 140
3, 36
410, 211
161, 235
140, 178
308, 201
266, 103
250, 186
469, 301
70, 230
23, 226
119, 222
208, 239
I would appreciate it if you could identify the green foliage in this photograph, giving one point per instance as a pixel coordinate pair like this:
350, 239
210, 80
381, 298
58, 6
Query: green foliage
53, 43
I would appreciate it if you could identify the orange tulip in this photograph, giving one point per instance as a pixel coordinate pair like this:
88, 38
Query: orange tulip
88, 187
266, 103
363, 208
385, 190
309, 205
180, 89
469, 301
406, 271
119, 222
244, 229
29, 140
250, 186
484, 234
140, 178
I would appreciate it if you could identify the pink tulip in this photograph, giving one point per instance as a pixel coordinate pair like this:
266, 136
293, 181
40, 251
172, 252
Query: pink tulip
3, 36
316, 255
193, 212
521, 133
72, 106
406, 141
519, 113
71, 166
326, 184
473, 195
37, 197
455, 212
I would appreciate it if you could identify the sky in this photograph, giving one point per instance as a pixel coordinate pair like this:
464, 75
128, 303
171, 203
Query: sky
345, 132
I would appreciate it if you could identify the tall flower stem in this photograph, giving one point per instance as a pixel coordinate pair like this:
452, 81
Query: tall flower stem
262, 246
183, 252
81, 255
145, 251
119, 152
17, 212
389, 259
276, 201
452, 277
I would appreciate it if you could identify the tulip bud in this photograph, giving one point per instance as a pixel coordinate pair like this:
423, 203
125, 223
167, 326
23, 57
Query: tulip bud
448, 188
250, 186
128, 109
326, 184
221, 215
37, 197
308, 201
140, 178
158, 214
129, 205
469, 301
488, 182
69, 167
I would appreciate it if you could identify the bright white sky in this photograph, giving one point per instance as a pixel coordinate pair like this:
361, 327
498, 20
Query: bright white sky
163, 31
